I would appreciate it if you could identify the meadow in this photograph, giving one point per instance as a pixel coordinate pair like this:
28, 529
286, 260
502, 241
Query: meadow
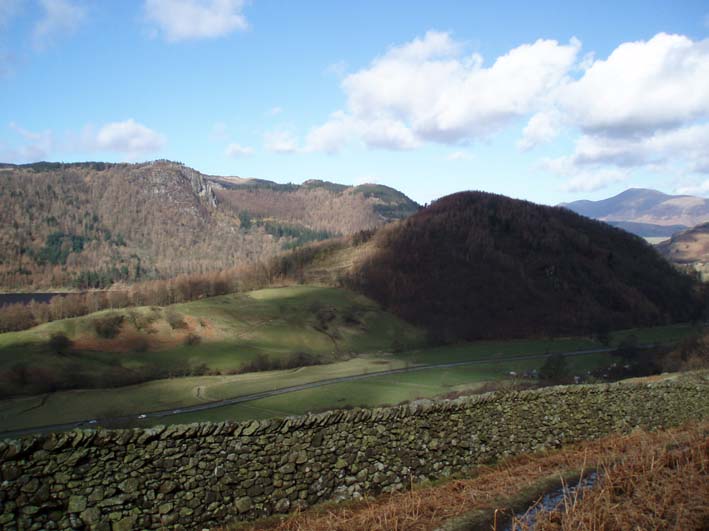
220, 334
349, 334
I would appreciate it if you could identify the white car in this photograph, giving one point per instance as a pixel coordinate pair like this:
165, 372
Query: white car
142, 416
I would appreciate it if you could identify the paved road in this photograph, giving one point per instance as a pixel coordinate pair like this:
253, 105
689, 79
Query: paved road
283, 390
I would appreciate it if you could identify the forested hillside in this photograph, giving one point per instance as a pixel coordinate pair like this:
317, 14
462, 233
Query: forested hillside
478, 265
475, 264
90, 225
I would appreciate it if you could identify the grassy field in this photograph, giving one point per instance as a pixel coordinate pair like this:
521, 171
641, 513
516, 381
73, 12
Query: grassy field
70, 406
381, 390
345, 329
232, 330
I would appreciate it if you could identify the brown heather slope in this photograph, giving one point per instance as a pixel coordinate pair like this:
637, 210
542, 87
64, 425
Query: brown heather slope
688, 248
478, 265
654, 481
88, 225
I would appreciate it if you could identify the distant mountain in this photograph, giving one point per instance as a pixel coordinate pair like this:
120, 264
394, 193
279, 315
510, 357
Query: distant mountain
92, 224
647, 230
646, 212
477, 265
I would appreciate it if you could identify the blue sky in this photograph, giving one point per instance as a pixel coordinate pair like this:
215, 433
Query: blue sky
548, 101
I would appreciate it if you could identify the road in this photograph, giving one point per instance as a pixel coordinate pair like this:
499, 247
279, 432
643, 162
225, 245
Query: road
283, 390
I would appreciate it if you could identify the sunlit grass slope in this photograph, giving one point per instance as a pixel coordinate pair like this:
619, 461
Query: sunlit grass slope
216, 334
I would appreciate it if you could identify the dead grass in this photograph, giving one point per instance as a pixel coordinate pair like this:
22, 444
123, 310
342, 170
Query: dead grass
495, 487
654, 486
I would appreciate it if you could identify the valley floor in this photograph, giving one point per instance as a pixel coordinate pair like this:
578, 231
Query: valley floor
347, 333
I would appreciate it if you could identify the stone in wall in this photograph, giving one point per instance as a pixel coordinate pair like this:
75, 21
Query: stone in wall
204, 475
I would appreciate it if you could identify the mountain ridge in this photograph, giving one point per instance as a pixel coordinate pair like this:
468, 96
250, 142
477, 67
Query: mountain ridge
649, 210
89, 225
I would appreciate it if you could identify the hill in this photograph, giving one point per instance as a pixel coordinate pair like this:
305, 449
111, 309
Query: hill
259, 330
647, 213
89, 225
689, 248
477, 265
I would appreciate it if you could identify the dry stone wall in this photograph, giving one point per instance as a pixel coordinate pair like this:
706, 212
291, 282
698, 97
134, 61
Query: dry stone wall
203, 475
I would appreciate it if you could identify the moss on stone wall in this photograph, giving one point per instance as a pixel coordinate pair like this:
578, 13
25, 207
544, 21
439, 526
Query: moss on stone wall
202, 475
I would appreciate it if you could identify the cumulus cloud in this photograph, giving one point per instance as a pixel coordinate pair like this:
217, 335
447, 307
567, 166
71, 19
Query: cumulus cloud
129, 138
685, 150
701, 188
235, 150
644, 105
36, 146
543, 127
275, 111
280, 142
378, 132
641, 87
429, 90
60, 17
196, 19
583, 179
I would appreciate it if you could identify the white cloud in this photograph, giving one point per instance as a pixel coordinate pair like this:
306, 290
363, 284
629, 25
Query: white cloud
196, 19
428, 90
342, 128
646, 105
331, 136
280, 142
701, 188
459, 155
37, 146
583, 179
641, 87
234, 151
542, 128
686, 148
275, 111
60, 17
128, 137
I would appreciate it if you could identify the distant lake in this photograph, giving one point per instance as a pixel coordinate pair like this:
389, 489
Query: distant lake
26, 298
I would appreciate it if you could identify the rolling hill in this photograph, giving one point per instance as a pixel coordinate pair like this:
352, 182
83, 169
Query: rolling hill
89, 225
647, 213
264, 329
477, 265
689, 248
